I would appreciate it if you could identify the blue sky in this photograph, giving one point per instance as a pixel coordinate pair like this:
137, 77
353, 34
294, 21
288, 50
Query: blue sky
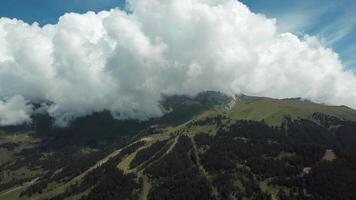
48, 11
333, 21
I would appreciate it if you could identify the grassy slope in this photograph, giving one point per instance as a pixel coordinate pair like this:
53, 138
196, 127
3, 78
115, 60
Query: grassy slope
274, 110
23, 140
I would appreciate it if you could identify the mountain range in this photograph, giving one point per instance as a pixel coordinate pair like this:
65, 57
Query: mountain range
208, 146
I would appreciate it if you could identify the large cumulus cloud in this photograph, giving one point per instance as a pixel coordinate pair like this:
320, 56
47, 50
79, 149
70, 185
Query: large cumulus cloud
124, 61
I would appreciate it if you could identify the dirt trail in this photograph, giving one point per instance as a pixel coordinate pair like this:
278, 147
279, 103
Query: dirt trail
19, 187
202, 170
175, 140
146, 187
125, 162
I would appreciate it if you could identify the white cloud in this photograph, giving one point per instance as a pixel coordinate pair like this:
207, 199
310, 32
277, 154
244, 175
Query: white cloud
123, 61
14, 111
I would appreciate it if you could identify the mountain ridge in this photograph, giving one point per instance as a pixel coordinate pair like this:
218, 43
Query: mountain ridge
201, 144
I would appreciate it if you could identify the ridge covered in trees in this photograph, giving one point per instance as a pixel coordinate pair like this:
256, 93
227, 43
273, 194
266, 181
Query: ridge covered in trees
183, 157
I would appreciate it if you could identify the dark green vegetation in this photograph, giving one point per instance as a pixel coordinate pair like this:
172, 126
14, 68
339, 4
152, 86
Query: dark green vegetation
177, 175
204, 147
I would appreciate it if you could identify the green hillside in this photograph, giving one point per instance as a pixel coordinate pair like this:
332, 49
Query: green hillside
205, 147
272, 111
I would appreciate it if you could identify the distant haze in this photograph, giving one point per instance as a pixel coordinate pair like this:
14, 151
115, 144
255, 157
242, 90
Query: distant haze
123, 61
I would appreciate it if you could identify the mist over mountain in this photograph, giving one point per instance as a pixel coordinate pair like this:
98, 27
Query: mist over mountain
123, 61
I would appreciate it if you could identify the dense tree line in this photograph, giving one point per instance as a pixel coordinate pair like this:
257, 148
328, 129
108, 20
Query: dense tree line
332, 180
176, 176
107, 181
69, 171
9, 146
187, 185
13, 183
346, 137
112, 183
225, 151
237, 158
238, 184
175, 162
74, 166
234, 162
147, 153
258, 146
268, 167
